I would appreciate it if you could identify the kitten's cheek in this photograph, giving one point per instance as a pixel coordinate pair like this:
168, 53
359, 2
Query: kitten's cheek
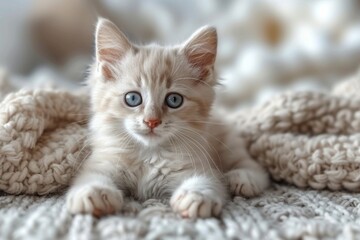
127, 124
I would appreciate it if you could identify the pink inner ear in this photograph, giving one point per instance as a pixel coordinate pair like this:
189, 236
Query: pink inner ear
106, 72
111, 46
202, 61
201, 50
109, 55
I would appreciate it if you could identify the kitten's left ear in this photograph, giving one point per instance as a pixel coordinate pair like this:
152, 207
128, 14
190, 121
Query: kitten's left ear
201, 49
111, 47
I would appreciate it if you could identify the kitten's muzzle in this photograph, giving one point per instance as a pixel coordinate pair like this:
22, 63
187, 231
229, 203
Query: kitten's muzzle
152, 123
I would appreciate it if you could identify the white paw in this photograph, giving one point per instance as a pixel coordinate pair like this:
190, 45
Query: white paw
191, 204
95, 200
247, 182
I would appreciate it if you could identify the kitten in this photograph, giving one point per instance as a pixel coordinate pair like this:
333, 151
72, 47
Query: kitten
152, 134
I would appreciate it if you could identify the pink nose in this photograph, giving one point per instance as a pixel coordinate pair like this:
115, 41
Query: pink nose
152, 123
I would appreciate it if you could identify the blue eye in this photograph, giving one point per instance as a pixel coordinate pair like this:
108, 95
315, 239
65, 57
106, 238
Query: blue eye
174, 100
133, 99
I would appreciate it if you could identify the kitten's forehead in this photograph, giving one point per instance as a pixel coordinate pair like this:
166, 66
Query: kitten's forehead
157, 66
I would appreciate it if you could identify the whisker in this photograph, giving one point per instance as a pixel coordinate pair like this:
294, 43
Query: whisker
210, 145
85, 146
208, 122
212, 136
186, 78
202, 150
80, 122
188, 150
79, 114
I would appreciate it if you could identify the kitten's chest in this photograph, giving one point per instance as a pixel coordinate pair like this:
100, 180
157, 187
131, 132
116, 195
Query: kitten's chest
153, 176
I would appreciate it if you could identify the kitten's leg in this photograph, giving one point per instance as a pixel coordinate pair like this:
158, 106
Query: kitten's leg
94, 191
199, 197
247, 179
245, 176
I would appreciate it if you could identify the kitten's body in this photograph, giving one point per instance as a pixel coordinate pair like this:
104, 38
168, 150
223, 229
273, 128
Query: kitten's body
188, 156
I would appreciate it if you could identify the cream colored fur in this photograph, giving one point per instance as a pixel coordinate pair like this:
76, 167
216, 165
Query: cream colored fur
188, 158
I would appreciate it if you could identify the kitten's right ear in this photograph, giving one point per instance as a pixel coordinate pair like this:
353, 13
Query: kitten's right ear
111, 47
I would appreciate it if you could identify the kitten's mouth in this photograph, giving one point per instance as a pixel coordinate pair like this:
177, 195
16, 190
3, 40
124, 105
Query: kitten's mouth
150, 133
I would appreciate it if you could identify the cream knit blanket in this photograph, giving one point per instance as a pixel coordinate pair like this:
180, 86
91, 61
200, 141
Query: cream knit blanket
306, 138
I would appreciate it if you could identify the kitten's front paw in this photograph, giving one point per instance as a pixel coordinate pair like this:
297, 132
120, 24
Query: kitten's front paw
247, 182
192, 204
95, 200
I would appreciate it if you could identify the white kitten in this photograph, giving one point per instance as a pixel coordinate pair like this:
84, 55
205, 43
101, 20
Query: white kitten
151, 131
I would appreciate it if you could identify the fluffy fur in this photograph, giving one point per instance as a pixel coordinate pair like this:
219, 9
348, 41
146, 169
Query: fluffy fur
191, 157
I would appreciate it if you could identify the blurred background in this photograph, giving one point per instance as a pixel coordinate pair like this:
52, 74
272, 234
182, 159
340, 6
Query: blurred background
265, 46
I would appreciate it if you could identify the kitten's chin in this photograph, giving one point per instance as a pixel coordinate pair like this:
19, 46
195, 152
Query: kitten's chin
150, 138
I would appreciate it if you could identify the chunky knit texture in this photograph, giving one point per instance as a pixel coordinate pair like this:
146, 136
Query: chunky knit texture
42, 136
307, 139
283, 212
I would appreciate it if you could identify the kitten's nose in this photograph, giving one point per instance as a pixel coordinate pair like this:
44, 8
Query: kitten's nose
152, 123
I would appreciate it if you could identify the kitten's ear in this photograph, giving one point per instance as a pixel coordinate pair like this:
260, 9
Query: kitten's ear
111, 46
201, 49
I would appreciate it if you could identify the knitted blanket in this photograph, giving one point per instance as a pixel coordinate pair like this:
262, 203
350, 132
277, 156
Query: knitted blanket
307, 139
282, 212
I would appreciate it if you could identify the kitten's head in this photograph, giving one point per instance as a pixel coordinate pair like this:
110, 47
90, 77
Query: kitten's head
152, 93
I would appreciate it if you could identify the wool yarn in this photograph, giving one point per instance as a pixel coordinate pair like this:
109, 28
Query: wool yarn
42, 136
309, 139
